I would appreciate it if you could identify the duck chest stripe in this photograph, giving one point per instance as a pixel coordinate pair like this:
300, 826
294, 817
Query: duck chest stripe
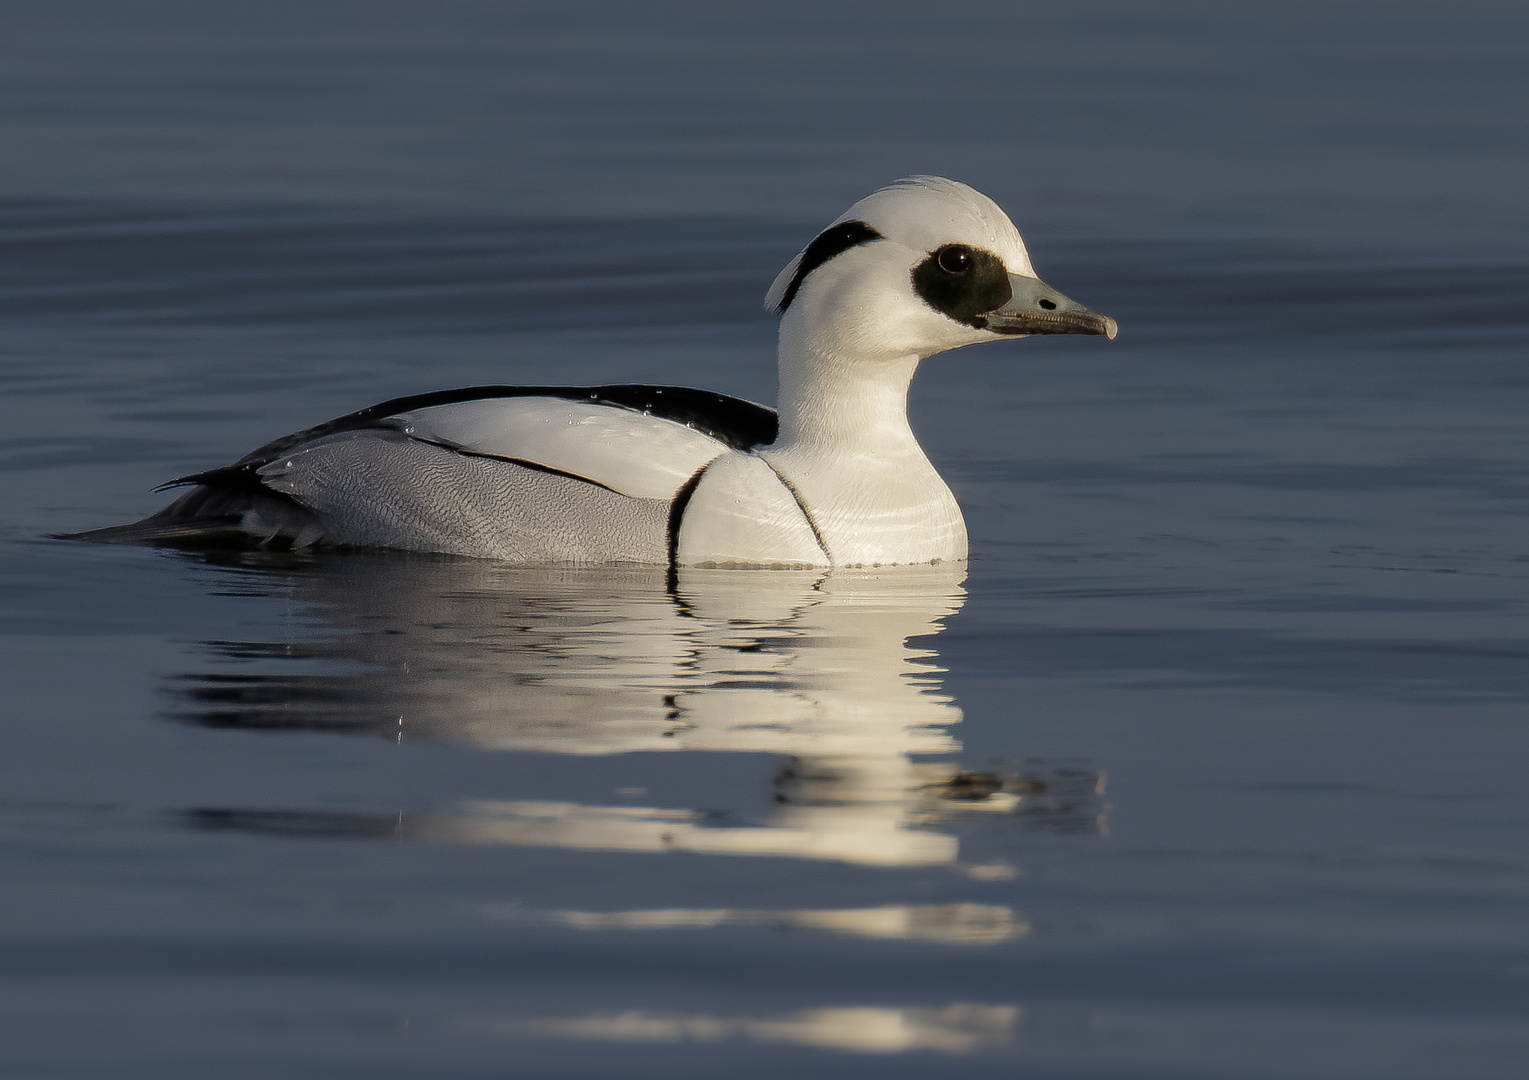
817, 533
677, 514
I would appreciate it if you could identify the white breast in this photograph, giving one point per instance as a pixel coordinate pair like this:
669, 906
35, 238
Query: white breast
742, 514
885, 508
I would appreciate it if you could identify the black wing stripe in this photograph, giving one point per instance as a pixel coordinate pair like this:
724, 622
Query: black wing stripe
522, 462
247, 478
739, 424
237, 477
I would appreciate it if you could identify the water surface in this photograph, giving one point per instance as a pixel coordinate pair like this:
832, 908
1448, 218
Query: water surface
1209, 764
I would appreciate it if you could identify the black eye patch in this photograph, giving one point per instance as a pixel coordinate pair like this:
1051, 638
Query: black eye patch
963, 282
834, 240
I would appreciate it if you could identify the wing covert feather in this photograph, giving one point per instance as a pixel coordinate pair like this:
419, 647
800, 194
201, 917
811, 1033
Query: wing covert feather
646, 457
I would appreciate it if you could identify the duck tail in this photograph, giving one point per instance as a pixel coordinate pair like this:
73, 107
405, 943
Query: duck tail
208, 517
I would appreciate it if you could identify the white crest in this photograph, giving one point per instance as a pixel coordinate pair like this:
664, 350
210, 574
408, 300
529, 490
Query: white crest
923, 213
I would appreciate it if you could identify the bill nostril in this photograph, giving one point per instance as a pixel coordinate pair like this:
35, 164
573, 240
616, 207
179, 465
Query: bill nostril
1048, 305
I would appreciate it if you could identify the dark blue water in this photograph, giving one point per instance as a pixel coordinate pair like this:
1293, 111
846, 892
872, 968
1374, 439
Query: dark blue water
1212, 765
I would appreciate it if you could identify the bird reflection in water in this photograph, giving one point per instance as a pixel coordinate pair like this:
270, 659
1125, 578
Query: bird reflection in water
830, 671
955, 1029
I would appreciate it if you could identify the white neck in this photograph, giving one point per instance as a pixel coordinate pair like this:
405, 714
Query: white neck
833, 405
847, 452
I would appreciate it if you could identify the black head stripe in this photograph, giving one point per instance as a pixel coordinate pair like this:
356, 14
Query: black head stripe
981, 286
834, 240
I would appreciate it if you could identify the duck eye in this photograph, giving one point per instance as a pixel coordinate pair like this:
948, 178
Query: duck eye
954, 260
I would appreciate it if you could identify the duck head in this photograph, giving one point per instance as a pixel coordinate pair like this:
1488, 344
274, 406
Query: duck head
921, 266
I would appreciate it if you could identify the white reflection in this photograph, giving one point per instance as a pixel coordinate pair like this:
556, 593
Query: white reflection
816, 668
949, 924
955, 1029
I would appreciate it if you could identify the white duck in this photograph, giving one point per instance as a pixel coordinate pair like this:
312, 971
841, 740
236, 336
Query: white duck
671, 475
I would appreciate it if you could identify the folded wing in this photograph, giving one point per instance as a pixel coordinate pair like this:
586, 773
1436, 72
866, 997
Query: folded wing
528, 474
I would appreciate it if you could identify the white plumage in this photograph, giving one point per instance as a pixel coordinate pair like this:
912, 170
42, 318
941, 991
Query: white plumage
669, 475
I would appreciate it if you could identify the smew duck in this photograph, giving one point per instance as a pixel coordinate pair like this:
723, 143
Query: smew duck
671, 475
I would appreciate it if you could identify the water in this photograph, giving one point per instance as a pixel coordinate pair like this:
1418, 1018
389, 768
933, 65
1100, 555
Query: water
1210, 766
